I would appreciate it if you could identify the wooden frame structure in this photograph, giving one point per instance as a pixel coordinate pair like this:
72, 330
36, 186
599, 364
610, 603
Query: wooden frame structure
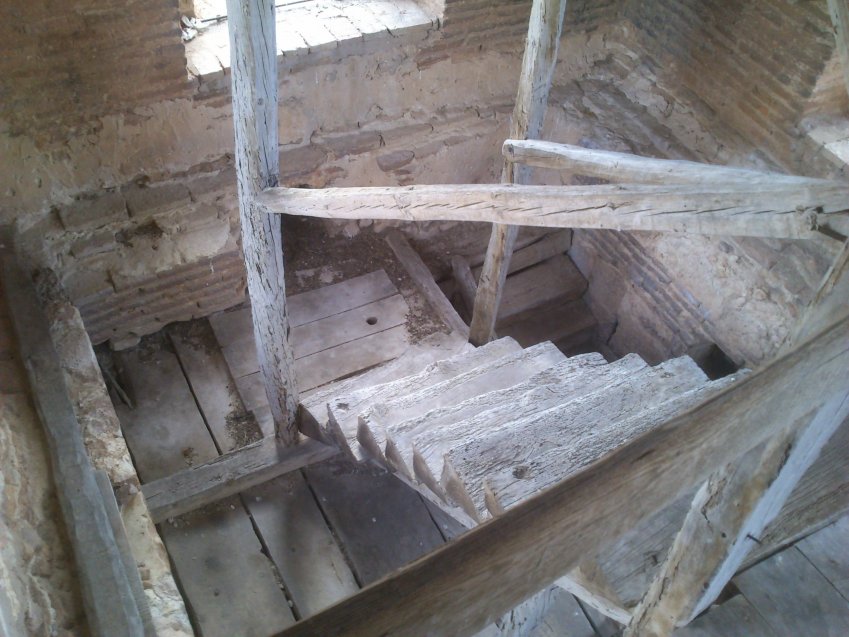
787, 410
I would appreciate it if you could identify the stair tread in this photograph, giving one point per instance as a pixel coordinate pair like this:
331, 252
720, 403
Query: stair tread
431, 435
343, 411
591, 423
417, 357
501, 374
557, 320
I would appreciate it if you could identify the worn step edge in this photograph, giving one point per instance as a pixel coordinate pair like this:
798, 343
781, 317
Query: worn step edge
342, 411
583, 421
398, 452
428, 448
502, 373
552, 386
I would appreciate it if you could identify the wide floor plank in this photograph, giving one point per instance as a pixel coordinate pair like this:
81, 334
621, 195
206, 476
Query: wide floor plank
735, 618
307, 556
828, 551
794, 598
382, 523
230, 585
284, 510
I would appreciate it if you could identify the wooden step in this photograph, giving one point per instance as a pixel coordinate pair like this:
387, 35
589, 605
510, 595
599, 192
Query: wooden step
509, 486
313, 421
416, 446
502, 373
343, 411
582, 430
562, 322
556, 278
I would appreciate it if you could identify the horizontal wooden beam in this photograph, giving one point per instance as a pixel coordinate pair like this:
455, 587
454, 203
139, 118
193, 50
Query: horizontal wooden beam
624, 167
477, 577
781, 212
229, 474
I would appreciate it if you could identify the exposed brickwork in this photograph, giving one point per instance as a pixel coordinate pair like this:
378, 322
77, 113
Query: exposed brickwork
62, 64
754, 63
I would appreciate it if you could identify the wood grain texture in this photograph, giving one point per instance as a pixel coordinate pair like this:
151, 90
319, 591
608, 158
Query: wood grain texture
110, 605
839, 12
778, 212
538, 62
735, 618
424, 281
229, 584
253, 55
465, 584
794, 598
229, 474
628, 168
827, 551
731, 508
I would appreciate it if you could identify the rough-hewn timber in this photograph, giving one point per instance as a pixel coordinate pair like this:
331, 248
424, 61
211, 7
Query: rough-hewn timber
253, 54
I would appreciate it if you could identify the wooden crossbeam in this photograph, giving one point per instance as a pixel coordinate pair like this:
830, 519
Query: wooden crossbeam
110, 605
790, 212
538, 61
627, 168
230, 474
464, 585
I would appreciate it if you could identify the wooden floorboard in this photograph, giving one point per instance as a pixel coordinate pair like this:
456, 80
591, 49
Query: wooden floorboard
828, 551
284, 510
565, 618
735, 618
229, 583
309, 560
382, 523
794, 598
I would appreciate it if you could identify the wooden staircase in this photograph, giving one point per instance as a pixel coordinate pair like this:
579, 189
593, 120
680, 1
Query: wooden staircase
488, 428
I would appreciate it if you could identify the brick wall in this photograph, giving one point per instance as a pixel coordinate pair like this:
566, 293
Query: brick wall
61, 64
755, 62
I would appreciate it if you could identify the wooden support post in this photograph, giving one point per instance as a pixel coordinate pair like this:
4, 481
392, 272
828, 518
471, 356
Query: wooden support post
726, 518
544, 27
628, 168
839, 10
253, 52
110, 605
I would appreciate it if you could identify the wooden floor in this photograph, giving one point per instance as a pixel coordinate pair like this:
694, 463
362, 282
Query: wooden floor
253, 564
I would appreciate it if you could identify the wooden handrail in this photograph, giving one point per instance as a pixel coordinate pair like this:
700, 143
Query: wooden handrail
628, 168
467, 583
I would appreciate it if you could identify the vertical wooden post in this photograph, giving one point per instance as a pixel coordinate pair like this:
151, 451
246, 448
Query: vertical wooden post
839, 10
726, 517
253, 52
538, 63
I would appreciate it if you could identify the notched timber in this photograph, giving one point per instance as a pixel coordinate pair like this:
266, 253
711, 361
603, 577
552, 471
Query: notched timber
467, 583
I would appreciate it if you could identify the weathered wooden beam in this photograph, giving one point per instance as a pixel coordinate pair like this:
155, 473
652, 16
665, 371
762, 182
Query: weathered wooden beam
110, 606
464, 585
230, 474
253, 53
465, 280
779, 212
839, 11
627, 168
728, 514
424, 281
538, 61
